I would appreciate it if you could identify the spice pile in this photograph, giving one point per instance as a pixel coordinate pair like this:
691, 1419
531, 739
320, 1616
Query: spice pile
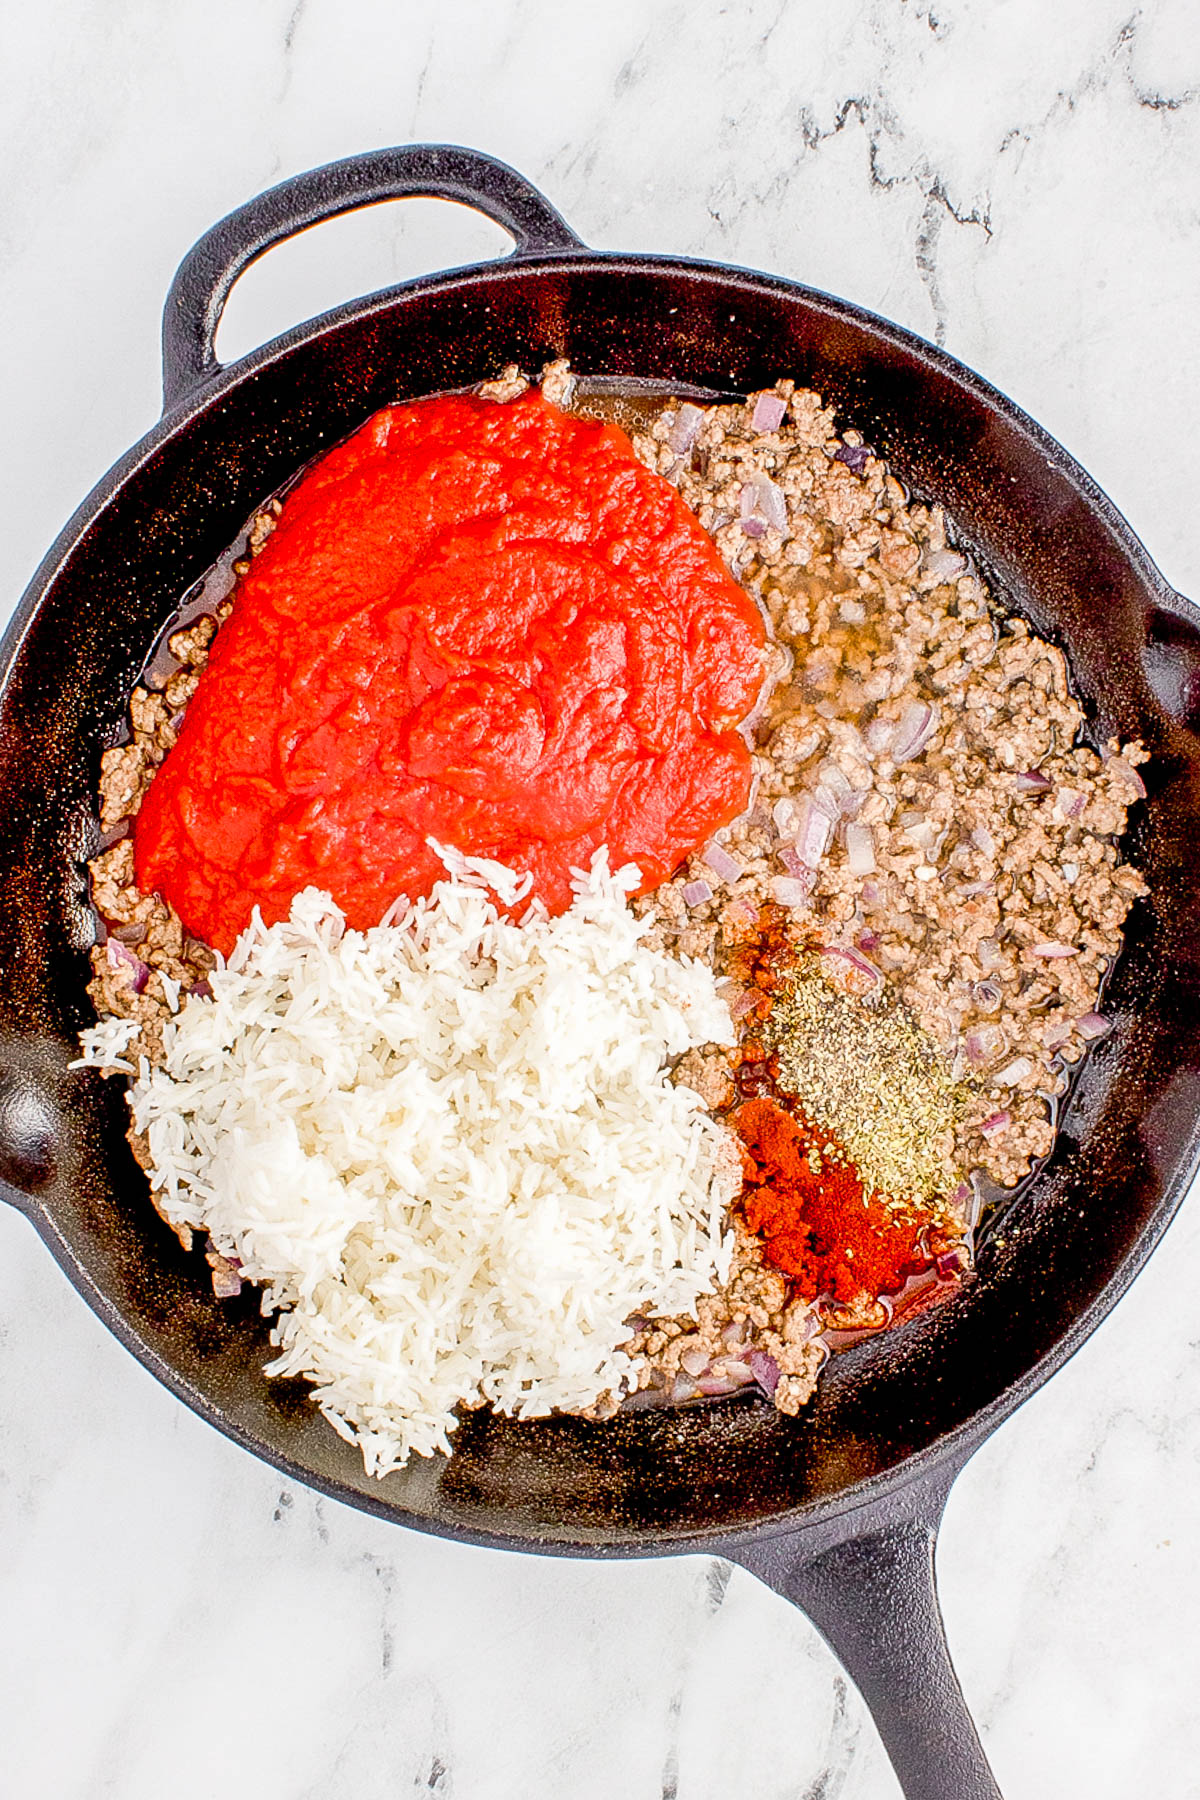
807, 1202
873, 1077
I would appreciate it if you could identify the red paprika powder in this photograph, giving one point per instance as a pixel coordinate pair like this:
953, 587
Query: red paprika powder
807, 1203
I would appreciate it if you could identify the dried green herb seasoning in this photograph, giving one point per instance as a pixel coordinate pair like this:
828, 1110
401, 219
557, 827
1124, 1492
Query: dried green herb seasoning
864, 1070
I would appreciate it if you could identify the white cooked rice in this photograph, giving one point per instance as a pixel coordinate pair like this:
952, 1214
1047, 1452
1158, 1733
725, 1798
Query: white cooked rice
448, 1149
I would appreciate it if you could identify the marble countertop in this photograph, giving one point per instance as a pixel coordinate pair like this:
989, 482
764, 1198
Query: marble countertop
176, 1618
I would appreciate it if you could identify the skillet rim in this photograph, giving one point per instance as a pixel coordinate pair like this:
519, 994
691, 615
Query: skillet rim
948, 1452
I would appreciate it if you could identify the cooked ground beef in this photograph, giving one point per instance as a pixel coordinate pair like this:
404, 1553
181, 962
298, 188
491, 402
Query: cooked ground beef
997, 894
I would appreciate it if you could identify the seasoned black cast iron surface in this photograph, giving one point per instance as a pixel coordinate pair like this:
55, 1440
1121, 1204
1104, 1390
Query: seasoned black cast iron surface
885, 1410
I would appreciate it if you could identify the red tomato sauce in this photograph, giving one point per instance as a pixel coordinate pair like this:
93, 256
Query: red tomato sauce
486, 624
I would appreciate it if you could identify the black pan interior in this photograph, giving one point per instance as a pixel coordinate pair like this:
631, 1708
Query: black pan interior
1045, 1270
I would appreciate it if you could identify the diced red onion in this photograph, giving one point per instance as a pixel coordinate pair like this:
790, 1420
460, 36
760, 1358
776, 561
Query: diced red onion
744, 1001
201, 990
995, 1123
1128, 773
868, 941
1056, 1034
694, 1362
762, 499
983, 840
1092, 1025
717, 1387
855, 457
725, 1378
944, 565
1014, 1071
852, 612
784, 815
119, 955
849, 969
813, 832
973, 889
853, 740
951, 1264
871, 894
773, 506
126, 934
754, 527
227, 1284
879, 735
734, 1332
790, 857
1052, 950
918, 723
860, 849
739, 912
786, 890
768, 412
1032, 781
838, 786
684, 428
988, 954
696, 893
764, 1369
683, 1389
723, 866
987, 995
983, 1045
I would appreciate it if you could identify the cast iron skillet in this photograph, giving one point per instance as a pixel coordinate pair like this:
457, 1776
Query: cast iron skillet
837, 1510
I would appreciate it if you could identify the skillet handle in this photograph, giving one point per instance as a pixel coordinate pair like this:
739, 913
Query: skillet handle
432, 171
870, 1589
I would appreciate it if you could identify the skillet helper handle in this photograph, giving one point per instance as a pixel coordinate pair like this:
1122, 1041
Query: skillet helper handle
31, 1123
430, 171
1171, 658
872, 1594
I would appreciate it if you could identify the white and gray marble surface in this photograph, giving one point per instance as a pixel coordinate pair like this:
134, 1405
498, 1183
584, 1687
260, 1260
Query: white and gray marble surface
1018, 181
